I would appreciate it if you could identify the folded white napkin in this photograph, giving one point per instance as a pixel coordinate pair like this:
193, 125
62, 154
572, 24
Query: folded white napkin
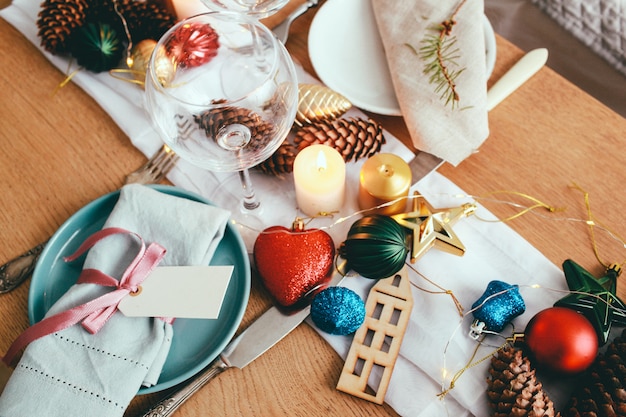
75, 373
451, 134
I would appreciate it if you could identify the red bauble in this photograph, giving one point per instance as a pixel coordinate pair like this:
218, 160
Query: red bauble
193, 44
562, 340
294, 263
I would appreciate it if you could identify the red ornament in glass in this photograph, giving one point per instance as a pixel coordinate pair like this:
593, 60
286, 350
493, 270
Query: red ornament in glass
193, 44
561, 340
294, 264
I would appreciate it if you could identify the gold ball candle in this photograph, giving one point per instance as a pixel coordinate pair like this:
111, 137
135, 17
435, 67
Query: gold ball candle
384, 177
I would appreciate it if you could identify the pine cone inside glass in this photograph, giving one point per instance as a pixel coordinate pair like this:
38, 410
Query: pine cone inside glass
56, 22
281, 161
261, 132
513, 389
354, 138
602, 391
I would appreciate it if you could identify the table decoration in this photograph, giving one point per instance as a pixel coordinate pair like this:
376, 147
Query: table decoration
354, 138
595, 298
384, 178
362, 74
319, 174
317, 102
97, 33
561, 340
495, 252
295, 263
280, 162
375, 246
377, 342
497, 306
433, 228
452, 134
602, 386
338, 310
201, 339
226, 104
513, 386
64, 365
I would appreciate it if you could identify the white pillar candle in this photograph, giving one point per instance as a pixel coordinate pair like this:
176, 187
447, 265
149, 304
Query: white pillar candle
319, 174
187, 8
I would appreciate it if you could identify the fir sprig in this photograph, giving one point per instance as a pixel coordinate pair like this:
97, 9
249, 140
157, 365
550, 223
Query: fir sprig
440, 53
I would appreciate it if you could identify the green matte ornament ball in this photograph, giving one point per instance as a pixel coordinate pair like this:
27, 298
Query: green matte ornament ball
375, 247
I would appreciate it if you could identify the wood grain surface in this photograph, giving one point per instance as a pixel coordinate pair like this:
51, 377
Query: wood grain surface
59, 151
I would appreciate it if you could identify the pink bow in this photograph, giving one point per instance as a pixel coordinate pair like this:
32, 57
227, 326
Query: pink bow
95, 313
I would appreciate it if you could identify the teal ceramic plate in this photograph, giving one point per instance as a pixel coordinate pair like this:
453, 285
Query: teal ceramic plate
196, 342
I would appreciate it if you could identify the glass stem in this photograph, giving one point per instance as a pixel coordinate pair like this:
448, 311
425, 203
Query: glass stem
250, 201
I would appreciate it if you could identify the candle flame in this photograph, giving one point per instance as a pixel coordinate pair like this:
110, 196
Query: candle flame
321, 161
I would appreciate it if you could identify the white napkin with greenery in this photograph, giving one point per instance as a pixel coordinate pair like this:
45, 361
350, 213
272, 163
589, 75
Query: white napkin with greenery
75, 373
405, 27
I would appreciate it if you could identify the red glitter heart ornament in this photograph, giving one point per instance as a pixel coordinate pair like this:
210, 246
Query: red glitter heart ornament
294, 263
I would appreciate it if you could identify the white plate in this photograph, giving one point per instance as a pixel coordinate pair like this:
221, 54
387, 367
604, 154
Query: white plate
348, 56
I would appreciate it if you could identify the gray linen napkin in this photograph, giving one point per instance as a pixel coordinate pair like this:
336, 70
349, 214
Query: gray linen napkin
75, 373
451, 134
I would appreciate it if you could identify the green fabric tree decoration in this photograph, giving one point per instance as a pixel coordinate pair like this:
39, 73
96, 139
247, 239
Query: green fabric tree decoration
595, 298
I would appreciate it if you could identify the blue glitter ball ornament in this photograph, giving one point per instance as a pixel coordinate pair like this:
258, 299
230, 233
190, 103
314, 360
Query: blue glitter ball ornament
338, 310
499, 310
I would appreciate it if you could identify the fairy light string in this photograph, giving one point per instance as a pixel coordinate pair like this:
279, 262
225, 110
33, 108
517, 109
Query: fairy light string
592, 221
538, 204
456, 301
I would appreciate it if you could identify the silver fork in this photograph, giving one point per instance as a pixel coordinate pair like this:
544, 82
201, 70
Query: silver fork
18, 269
155, 169
281, 31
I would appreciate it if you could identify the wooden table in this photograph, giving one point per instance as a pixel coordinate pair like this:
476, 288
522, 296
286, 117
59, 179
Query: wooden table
61, 151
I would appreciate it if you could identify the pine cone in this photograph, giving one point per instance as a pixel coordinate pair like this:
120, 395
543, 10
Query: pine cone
146, 19
56, 22
281, 161
513, 389
317, 102
603, 390
354, 138
261, 132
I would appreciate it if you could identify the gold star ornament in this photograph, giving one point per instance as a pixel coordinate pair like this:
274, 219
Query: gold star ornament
433, 228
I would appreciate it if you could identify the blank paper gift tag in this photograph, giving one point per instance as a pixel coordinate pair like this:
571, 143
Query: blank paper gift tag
193, 292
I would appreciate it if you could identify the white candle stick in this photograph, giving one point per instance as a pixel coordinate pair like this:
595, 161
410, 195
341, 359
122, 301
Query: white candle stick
187, 8
319, 174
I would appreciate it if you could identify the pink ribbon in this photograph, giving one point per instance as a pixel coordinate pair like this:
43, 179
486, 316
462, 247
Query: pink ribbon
95, 313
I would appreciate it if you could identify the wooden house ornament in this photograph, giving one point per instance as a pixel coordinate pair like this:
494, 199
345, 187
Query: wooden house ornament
377, 342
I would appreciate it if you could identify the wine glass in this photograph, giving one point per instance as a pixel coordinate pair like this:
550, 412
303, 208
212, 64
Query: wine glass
257, 8
222, 92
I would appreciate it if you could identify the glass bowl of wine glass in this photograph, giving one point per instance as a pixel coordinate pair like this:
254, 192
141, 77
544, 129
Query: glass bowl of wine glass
222, 92
257, 8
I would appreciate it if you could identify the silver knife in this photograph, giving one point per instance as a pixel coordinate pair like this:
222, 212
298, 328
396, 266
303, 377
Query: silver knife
519, 73
256, 339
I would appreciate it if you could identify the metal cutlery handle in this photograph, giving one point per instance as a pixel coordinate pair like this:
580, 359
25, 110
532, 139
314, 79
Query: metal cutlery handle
282, 29
15, 271
168, 405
